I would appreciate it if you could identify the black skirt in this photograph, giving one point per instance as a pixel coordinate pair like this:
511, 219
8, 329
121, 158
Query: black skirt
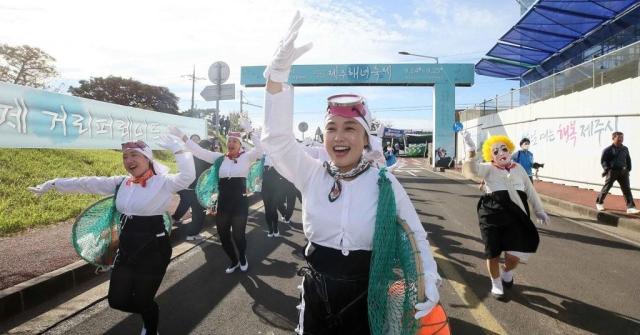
335, 291
144, 244
504, 226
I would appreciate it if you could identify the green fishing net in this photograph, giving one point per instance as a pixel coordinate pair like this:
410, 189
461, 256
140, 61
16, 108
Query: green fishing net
254, 179
207, 186
95, 233
395, 276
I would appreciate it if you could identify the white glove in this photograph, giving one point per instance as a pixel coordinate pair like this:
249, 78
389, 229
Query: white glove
170, 142
433, 296
177, 133
256, 136
286, 54
42, 188
380, 131
245, 124
543, 218
469, 145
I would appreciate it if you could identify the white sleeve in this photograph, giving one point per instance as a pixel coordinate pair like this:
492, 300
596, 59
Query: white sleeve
186, 173
257, 151
278, 141
407, 212
532, 194
89, 185
203, 154
472, 168
314, 152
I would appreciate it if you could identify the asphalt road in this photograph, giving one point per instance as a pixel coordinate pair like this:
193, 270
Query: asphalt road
581, 281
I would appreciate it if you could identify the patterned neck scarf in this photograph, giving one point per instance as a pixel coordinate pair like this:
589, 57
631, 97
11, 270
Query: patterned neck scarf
234, 158
334, 172
142, 180
508, 167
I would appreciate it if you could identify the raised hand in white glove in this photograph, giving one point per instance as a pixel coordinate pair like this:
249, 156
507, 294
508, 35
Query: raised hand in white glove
178, 133
245, 124
170, 142
433, 296
280, 67
543, 218
469, 145
42, 188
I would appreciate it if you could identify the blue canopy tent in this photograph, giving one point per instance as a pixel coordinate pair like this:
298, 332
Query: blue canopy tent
546, 29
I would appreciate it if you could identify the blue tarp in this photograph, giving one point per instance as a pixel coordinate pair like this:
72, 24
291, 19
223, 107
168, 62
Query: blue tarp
547, 28
518, 54
497, 68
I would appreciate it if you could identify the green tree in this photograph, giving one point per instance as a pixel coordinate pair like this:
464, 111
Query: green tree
234, 121
128, 92
25, 65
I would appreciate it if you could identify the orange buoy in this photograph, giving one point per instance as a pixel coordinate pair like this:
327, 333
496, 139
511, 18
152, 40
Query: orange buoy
435, 323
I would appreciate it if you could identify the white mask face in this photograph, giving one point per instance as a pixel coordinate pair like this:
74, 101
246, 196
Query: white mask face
525, 146
501, 154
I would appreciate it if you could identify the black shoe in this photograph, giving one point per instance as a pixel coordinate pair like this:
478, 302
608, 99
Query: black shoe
506, 284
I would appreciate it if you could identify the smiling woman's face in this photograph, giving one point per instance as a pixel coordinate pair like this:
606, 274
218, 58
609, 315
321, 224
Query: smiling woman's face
135, 162
233, 146
345, 139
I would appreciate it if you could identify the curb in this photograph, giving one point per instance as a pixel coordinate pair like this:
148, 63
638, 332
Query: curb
33, 292
605, 218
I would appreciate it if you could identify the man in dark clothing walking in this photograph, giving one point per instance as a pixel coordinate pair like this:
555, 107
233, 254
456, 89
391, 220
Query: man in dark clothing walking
616, 163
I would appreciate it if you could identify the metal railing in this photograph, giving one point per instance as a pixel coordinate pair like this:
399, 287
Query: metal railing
615, 66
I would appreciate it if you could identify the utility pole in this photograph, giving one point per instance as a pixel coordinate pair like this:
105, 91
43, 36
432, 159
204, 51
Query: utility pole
242, 102
193, 79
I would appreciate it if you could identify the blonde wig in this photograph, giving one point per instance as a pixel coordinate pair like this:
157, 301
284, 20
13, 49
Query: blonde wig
486, 146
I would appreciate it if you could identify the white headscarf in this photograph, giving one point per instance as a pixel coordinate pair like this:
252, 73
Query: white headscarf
158, 167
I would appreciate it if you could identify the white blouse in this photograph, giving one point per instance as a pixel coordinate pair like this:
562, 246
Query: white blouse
496, 179
229, 168
347, 223
153, 199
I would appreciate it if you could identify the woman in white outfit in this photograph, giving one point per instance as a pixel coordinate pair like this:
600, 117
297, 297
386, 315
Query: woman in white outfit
233, 206
339, 204
142, 197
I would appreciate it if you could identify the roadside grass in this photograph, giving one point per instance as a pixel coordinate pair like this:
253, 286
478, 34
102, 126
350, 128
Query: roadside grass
21, 168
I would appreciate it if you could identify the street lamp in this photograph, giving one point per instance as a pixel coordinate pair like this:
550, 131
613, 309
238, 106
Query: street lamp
410, 54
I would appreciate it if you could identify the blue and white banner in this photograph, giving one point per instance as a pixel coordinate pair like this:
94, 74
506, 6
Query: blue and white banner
34, 118
395, 133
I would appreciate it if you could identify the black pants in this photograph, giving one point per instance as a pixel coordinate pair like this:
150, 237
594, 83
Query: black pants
188, 199
334, 292
140, 265
289, 203
622, 177
278, 195
231, 217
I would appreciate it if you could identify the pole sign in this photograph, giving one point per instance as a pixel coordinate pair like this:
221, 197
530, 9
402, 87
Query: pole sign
219, 92
34, 118
219, 72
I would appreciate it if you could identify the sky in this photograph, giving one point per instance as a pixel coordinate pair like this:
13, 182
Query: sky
158, 42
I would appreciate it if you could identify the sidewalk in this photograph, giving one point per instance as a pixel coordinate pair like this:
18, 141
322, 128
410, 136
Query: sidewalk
43, 260
582, 201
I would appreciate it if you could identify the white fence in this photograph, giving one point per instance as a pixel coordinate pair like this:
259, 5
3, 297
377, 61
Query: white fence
569, 132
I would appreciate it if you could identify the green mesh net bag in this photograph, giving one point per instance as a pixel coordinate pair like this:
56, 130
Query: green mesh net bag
396, 280
254, 179
95, 233
207, 185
